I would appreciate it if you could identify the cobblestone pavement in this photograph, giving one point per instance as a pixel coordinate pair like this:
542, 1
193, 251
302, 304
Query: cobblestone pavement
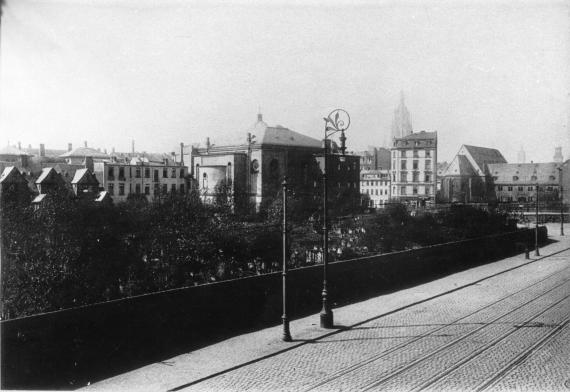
505, 328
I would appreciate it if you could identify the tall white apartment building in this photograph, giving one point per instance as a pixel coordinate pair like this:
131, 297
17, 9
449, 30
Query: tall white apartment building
414, 168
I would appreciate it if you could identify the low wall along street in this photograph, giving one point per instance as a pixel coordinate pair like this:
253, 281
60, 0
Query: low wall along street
68, 348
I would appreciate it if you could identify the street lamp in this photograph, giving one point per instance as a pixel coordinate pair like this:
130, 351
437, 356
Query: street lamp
536, 252
561, 201
337, 121
286, 333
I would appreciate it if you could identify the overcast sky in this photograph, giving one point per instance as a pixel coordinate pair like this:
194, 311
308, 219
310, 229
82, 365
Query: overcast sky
487, 73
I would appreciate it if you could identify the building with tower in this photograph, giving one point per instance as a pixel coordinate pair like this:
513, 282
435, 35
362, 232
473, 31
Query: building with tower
253, 170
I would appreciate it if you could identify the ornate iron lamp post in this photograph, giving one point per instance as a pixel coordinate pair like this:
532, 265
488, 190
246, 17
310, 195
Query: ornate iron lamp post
286, 333
337, 121
561, 201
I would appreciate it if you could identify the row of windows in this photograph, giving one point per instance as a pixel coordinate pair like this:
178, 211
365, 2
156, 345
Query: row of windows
339, 185
521, 188
374, 192
415, 177
415, 164
411, 154
374, 183
415, 190
121, 190
121, 172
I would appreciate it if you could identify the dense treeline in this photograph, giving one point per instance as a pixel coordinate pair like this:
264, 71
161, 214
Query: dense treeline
69, 252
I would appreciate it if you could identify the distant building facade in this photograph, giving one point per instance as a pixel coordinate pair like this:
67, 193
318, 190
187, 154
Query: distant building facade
375, 187
140, 177
516, 182
374, 158
414, 168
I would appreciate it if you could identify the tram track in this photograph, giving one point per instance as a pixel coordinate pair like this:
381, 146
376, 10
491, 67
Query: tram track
454, 345
456, 322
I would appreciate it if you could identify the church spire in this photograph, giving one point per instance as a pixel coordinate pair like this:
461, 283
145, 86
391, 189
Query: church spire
401, 124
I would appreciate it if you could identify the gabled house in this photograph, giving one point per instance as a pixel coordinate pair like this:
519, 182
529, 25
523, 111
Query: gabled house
85, 184
49, 181
13, 186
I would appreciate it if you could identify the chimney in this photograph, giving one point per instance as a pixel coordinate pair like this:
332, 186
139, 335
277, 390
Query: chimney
69, 147
133, 146
105, 151
113, 150
88, 163
85, 143
19, 146
42, 150
181, 154
259, 117
29, 146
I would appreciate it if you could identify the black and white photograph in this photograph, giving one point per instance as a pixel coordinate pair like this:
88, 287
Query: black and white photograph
287, 195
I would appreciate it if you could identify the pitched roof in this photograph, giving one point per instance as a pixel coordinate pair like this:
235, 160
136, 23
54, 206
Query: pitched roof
482, 156
82, 152
11, 172
102, 196
11, 150
49, 174
420, 135
459, 166
84, 176
275, 136
527, 173
39, 198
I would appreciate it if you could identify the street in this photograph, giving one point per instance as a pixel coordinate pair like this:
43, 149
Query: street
500, 326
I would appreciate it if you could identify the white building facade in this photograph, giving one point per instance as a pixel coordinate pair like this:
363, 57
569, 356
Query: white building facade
143, 178
375, 187
414, 168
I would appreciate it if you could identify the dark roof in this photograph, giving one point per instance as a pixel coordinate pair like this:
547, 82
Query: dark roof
420, 135
484, 156
527, 173
417, 139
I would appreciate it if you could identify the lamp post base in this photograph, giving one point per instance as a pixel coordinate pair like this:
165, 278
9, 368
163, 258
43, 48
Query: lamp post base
326, 318
286, 333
